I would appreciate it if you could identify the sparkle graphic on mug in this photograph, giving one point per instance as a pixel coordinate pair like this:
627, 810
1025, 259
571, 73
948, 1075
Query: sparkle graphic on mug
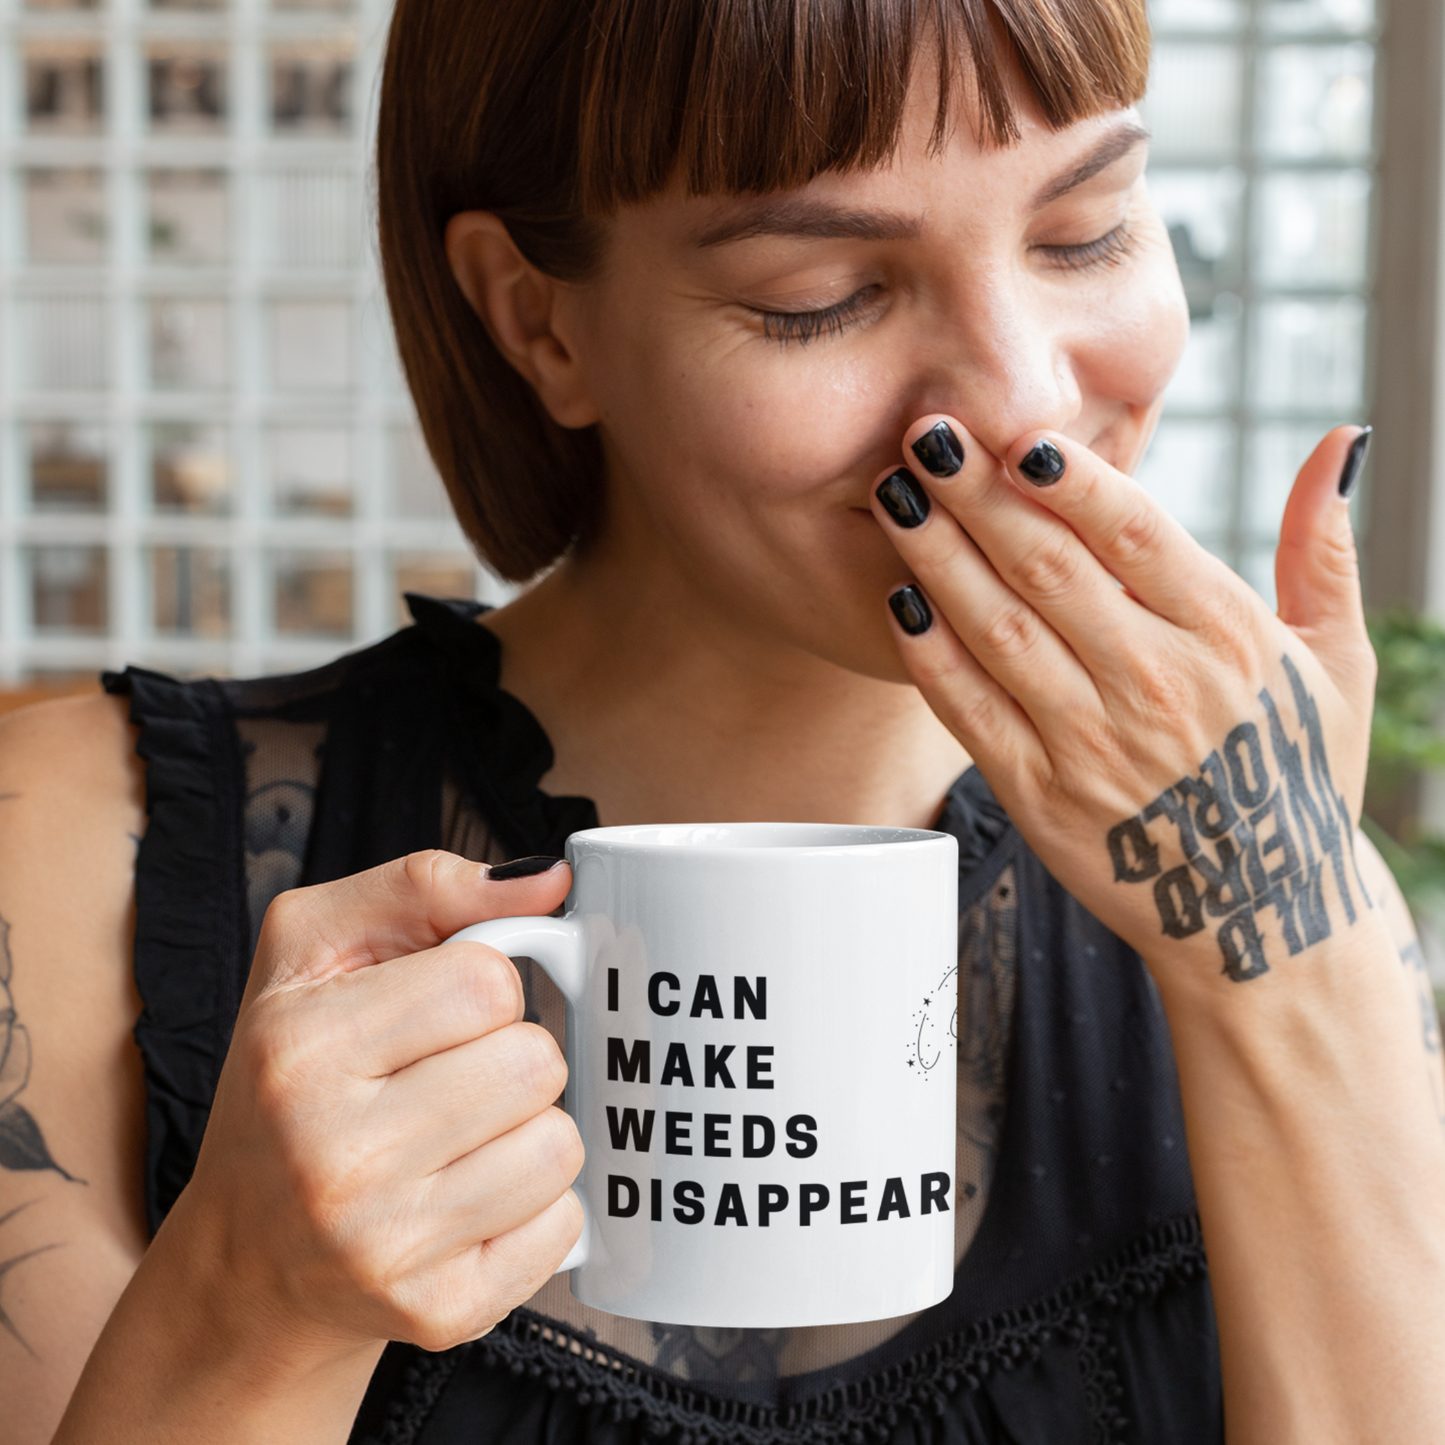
927, 1049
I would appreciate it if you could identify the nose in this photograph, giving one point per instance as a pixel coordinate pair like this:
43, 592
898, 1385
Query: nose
998, 357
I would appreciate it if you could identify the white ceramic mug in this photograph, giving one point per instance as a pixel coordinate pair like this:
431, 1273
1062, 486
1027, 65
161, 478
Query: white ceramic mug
760, 1046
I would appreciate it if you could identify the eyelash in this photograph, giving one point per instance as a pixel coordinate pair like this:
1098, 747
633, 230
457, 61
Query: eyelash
1109, 250
805, 326
801, 327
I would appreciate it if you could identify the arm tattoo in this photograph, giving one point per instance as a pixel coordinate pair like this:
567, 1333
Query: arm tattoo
1257, 831
22, 1145
6, 1265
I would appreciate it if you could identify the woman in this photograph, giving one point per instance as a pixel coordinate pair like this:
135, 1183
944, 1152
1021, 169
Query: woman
809, 347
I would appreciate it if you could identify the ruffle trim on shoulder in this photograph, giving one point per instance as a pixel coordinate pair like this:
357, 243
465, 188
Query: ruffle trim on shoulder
864, 1412
505, 750
190, 932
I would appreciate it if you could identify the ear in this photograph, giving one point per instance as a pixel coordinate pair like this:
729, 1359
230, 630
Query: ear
524, 311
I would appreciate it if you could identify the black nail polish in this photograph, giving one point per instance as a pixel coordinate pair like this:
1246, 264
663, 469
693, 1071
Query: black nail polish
1043, 463
1355, 463
523, 868
911, 609
939, 450
903, 498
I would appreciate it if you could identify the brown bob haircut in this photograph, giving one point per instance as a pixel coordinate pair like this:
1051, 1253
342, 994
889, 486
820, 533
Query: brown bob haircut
552, 113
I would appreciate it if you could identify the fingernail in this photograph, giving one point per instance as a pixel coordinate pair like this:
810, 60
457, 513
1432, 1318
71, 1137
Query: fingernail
903, 498
939, 450
911, 609
1355, 463
1043, 463
522, 868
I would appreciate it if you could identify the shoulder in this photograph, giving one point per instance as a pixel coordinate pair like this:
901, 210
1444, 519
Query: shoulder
71, 1093
81, 749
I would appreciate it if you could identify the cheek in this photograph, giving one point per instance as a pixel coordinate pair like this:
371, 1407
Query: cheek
1137, 338
750, 418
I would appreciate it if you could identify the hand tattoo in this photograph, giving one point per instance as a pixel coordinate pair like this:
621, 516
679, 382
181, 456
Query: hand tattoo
1254, 837
22, 1145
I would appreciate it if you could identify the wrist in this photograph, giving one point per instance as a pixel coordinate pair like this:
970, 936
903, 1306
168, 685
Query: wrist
199, 1348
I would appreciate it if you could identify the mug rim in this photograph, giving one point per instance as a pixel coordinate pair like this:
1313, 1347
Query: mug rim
826, 838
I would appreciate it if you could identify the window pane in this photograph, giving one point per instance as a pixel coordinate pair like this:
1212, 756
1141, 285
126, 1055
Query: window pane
1276, 454
1193, 103
68, 588
315, 219
1196, 14
313, 593
1313, 228
311, 345
67, 343
417, 489
1207, 375
1202, 210
1189, 470
190, 591
1310, 354
187, 89
190, 469
310, 89
188, 344
434, 574
1285, 16
63, 90
189, 217
65, 217
311, 471
67, 467
1315, 101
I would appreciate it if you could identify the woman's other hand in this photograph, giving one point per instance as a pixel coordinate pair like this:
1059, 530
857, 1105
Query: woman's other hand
1191, 766
1187, 763
384, 1160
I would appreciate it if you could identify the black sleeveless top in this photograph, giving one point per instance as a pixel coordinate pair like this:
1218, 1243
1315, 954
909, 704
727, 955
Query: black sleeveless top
1081, 1309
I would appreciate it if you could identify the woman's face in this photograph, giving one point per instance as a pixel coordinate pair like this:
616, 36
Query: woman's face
754, 361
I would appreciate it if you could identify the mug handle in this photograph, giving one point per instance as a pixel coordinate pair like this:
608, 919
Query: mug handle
559, 946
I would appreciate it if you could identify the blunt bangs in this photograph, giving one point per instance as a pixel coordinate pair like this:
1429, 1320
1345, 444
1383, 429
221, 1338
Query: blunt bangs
553, 113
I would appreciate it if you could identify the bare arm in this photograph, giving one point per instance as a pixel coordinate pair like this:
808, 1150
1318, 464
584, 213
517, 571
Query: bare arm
71, 1129
1191, 767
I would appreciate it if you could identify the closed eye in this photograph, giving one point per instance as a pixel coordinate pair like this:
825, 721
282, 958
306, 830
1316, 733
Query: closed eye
1111, 249
805, 326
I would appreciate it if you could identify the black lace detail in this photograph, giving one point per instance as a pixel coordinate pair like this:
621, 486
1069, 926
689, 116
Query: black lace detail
861, 1413
425, 1379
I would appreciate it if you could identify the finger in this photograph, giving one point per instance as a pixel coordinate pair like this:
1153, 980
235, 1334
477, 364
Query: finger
502, 1185
512, 1267
996, 731
1132, 536
1002, 631
1317, 573
1038, 555
385, 1018
464, 1295
469, 1095
402, 907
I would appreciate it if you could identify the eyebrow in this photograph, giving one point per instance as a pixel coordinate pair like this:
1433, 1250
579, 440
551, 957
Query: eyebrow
803, 218
811, 220
1112, 147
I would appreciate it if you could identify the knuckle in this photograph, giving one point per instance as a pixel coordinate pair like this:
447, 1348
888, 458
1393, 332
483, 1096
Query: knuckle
1139, 535
1010, 633
490, 987
417, 872
536, 1062
1051, 569
560, 1146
